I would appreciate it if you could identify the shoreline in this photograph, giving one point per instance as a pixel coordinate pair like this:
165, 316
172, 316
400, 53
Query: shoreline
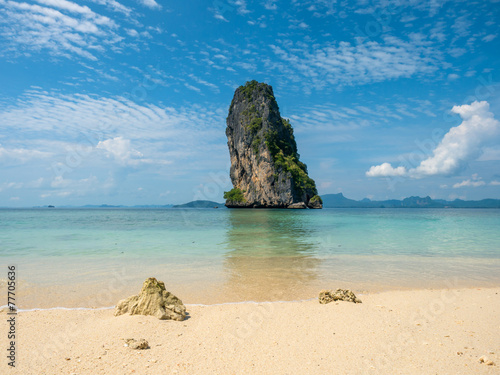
418, 331
80, 296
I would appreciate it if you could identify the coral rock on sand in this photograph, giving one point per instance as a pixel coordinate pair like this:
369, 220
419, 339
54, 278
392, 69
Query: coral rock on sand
153, 300
327, 296
137, 344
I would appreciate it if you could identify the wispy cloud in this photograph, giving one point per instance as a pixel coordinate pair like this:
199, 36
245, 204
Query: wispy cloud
475, 181
127, 132
241, 6
489, 37
219, 8
21, 155
214, 87
81, 32
63, 28
114, 6
349, 64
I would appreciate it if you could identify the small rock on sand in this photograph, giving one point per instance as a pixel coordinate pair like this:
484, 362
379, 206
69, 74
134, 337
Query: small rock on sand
137, 344
327, 296
486, 361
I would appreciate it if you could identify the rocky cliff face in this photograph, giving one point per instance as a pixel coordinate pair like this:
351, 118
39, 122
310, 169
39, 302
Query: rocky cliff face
265, 166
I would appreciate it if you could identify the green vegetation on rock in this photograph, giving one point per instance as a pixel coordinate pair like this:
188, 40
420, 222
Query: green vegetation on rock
285, 156
234, 195
249, 88
256, 144
316, 198
255, 125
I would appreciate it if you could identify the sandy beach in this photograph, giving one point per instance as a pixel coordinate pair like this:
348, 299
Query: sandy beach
397, 332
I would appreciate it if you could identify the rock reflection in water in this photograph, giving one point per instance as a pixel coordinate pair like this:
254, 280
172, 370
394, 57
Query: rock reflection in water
271, 255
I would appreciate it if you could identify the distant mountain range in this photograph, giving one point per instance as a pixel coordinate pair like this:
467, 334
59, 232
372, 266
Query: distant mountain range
339, 201
336, 201
200, 204
111, 206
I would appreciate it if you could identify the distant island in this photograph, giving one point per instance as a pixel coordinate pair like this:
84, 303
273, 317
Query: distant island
330, 201
339, 201
200, 204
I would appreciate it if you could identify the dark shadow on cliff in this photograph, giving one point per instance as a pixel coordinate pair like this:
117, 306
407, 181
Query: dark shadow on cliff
271, 254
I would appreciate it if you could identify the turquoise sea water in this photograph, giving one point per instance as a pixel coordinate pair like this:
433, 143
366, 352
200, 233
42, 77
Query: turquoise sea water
94, 257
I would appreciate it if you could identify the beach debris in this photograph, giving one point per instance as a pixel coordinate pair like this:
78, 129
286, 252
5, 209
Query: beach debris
153, 300
137, 344
327, 296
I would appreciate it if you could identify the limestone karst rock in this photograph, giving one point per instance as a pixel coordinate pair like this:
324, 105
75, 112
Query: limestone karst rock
265, 166
153, 300
327, 296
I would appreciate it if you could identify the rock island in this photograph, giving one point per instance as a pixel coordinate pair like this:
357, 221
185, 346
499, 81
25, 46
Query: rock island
265, 168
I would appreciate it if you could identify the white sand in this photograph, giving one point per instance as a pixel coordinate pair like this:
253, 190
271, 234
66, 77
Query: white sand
407, 332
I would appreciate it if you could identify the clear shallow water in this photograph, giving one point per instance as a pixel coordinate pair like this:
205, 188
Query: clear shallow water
94, 257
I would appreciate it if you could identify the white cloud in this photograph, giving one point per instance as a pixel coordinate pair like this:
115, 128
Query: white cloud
132, 32
462, 26
121, 149
475, 181
67, 5
221, 8
495, 183
385, 170
460, 145
489, 38
241, 6
114, 6
220, 17
271, 5
150, 4
191, 87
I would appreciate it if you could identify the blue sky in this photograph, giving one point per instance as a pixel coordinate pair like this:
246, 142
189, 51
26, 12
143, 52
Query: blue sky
124, 102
